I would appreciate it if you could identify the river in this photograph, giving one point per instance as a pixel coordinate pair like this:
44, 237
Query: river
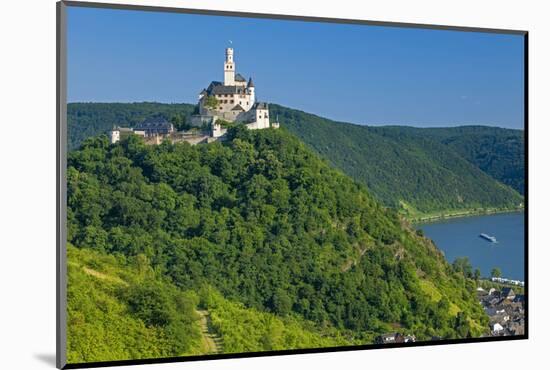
459, 237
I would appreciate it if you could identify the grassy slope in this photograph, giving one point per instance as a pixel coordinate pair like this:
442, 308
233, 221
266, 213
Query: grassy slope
101, 326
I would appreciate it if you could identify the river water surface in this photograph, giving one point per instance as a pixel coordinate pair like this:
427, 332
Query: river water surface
459, 237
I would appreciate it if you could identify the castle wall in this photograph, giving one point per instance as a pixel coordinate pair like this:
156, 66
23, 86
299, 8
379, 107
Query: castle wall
218, 130
262, 118
228, 101
202, 119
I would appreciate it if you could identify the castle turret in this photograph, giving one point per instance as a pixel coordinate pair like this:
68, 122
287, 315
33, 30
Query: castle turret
115, 135
251, 90
276, 123
229, 68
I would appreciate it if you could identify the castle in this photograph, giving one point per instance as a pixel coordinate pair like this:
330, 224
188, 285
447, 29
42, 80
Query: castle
234, 100
219, 104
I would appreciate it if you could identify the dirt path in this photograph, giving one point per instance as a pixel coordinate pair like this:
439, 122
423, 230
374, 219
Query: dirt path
213, 342
103, 276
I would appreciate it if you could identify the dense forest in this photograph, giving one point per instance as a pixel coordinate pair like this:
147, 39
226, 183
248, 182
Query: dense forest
417, 171
498, 152
413, 169
258, 230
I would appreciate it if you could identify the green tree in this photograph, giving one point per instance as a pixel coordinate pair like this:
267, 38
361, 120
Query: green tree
463, 265
282, 303
179, 121
211, 102
461, 325
477, 274
149, 302
496, 272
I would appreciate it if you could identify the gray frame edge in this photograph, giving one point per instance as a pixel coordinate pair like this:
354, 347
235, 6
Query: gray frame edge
288, 17
61, 188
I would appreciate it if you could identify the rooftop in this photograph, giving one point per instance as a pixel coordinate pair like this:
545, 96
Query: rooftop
259, 105
153, 122
216, 88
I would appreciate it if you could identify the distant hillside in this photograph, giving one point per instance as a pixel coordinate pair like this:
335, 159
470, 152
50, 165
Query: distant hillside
405, 168
498, 152
91, 119
420, 171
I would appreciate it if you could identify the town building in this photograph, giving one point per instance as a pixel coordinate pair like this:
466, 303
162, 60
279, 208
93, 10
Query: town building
505, 309
508, 293
119, 133
154, 126
153, 129
394, 338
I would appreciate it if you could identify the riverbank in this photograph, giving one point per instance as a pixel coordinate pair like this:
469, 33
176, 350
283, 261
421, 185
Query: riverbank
444, 215
487, 283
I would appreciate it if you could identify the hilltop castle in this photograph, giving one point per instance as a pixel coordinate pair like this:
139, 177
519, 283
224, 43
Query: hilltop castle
234, 100
219, 104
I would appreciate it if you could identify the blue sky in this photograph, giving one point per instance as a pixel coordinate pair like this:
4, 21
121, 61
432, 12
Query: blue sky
354, 73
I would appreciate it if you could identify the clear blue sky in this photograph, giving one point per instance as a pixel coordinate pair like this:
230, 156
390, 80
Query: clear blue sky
355, 73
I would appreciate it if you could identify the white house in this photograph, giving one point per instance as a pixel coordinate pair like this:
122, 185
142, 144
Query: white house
497, 328
118, 133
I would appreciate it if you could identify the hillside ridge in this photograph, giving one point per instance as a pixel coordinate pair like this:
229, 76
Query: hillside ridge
421, 172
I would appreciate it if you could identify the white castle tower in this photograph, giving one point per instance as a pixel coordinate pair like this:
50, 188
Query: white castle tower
229, 68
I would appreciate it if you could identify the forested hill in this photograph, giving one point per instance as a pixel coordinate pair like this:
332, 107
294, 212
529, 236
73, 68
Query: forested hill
265, 222
497, 151
417, 170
